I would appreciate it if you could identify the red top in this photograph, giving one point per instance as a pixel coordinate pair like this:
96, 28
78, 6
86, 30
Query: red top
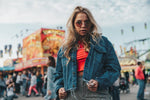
81, 57
139, 74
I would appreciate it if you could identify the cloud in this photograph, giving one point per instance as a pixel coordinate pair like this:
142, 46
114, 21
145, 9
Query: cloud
106, 12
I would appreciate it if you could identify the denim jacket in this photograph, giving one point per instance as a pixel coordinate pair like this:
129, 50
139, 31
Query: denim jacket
101, 65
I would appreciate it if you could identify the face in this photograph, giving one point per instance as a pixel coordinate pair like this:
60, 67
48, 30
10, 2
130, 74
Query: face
0, 73
24, 72
82, 24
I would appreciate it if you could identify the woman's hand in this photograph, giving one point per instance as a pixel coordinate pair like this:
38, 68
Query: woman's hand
92, 85
62, 93
49, 92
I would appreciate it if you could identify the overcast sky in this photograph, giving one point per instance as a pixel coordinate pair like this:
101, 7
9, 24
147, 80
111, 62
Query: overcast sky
106, 12
112, 15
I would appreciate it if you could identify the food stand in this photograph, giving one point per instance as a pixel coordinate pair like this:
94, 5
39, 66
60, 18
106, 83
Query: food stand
38, 46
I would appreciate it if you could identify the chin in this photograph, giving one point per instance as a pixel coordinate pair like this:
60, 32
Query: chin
83, 34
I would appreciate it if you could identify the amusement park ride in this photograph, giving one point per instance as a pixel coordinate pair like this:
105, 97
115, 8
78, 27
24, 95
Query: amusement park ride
128, 59
144, 51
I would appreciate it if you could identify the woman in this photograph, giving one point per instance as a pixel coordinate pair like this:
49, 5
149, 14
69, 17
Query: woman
51, 95
86, 64
24, 82
18, 83
33, 85
10, 88
2, 85
39, 82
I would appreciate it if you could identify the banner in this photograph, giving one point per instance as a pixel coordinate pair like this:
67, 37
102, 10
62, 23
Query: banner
127, 61
35, 62
41, 44
51, 41
32, 46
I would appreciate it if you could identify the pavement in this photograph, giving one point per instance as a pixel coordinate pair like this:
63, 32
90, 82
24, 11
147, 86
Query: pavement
123, 96
133, 93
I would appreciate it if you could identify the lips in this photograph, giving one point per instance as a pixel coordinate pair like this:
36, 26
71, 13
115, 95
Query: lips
82, 30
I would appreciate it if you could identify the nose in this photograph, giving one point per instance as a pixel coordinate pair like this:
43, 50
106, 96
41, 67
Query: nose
83, 24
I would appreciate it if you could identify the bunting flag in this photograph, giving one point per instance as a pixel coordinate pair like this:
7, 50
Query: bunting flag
145, 25
131, 51
143, 42
10, 50
27, 30
125, 51
17, 54
1, 53
121, 49
132, 28
122, 32
6, 49
135, 52
21, 51
19, 48
17, 36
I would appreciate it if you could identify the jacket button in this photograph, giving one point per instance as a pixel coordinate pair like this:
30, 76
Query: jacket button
73, 60
73, 73
73, 85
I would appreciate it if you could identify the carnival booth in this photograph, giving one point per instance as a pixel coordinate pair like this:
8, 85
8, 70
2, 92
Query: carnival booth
38, 46
7, 65
127, 63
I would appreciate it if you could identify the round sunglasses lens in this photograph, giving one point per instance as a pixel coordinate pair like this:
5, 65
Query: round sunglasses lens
79, 23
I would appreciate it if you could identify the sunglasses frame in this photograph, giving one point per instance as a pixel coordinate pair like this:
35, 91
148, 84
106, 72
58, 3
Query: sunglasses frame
79, 23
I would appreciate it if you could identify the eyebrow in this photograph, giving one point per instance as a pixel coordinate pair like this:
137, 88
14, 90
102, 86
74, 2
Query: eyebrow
83, 20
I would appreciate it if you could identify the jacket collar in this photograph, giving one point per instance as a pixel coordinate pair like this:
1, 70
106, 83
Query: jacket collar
99, 46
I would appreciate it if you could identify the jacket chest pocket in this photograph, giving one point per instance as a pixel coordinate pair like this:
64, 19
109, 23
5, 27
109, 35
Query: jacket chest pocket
98, 61
99, 58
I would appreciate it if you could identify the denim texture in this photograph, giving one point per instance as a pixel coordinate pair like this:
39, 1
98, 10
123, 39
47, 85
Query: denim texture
82, 93
101, 64
140, 94
50, 84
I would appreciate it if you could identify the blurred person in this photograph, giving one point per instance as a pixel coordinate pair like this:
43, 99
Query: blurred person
10, 88
44, 89
146, 77
33, 85
114, 90
29, 79
2, 85
140, 79
18, 83
39, 82
134, 78
127, 78
51, 95
87, 64
14, 77
24, 80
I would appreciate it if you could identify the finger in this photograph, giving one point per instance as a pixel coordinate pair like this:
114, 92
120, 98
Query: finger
62, 96
62, 90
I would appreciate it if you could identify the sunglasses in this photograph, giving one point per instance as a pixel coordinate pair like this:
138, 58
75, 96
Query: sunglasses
79, 23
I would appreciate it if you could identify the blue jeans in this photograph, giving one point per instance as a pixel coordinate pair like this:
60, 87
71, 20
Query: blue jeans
140, 95
115, 93
2, 91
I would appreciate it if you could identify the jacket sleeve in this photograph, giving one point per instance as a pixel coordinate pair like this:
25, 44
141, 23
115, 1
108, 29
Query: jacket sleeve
48, 79
111, 66
58, 77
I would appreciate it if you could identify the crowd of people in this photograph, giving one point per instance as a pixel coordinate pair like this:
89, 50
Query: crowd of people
87, 67
24, 83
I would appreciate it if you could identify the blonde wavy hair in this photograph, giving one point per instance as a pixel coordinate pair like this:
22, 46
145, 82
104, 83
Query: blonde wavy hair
73, 36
